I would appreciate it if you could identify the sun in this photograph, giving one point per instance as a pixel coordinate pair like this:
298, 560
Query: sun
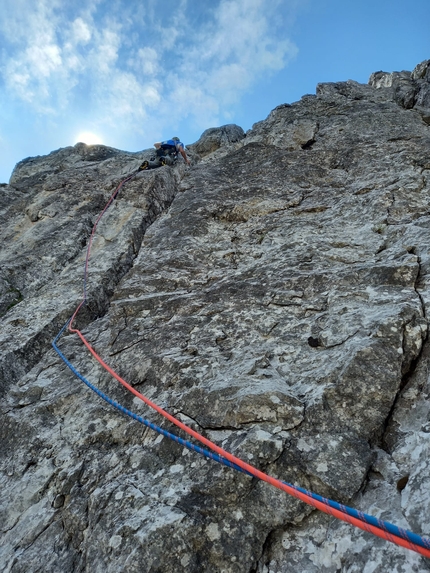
88, 138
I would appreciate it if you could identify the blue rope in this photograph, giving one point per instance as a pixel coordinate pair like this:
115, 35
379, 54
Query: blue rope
370, 519
174, 437
384, 525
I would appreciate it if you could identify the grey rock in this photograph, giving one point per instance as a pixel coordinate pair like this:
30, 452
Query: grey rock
215, 137
286, 129
274, 298
421, 71
410, 90
48, 226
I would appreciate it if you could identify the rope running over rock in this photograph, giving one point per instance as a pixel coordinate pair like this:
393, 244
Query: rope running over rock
366, 522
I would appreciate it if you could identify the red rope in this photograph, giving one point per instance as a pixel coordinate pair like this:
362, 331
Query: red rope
252, 470
233, 459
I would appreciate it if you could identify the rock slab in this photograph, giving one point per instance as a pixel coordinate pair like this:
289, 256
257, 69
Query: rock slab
274, 297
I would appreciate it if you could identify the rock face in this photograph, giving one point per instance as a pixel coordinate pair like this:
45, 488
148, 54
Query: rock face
274, 297
408, 89
216, 138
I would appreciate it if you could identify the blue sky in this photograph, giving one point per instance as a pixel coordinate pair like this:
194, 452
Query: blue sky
132, 72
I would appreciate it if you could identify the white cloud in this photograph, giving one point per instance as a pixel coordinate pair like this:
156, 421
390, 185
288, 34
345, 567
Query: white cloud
43, 59
140, 65
104, 54
147, 61
80, 31
242, 41
35, 58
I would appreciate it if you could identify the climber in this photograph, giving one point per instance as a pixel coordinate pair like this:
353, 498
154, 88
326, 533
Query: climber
166, 154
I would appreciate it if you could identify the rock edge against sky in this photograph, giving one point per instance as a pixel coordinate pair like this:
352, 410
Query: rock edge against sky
275, 297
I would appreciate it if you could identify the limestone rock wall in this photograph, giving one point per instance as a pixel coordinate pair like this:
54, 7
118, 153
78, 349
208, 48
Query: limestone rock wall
275, 297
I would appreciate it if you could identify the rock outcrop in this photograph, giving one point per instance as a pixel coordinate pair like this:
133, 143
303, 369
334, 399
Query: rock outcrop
274, 297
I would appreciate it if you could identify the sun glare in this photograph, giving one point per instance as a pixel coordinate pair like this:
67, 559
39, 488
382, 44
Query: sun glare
88, 138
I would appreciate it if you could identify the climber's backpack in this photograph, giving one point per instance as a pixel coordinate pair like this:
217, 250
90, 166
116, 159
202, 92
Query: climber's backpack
168, 147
